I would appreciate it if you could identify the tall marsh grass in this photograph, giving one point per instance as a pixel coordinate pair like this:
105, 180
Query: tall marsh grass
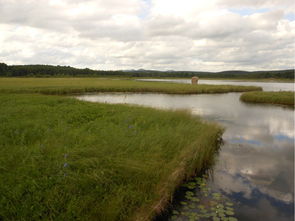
279, 97
64, 159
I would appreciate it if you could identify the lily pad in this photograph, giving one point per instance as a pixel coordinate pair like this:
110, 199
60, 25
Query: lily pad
230, 213
229, 204
175, 212
195, 199
216, 218
173, 217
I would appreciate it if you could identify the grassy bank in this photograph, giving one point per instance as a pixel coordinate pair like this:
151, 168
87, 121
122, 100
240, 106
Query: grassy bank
82, 85
64, 159
281, 97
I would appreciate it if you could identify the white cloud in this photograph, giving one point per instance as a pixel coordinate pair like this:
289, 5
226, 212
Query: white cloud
151, 34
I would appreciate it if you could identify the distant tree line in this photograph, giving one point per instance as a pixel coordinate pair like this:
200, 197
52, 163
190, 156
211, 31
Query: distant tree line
64, 71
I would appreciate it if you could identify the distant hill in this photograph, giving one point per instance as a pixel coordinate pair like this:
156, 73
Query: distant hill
284, 74
60, 71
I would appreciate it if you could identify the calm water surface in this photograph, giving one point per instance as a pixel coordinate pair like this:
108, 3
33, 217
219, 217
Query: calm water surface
267, 86
255, 166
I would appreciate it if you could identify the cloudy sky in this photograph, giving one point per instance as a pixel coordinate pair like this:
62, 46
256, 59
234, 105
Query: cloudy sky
211, 35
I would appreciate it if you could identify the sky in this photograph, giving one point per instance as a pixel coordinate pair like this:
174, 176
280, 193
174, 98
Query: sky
191, 35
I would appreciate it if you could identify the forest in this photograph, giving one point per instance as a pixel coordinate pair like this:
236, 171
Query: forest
64, 71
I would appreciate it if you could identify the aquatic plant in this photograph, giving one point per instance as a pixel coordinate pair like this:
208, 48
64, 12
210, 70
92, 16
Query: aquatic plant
201, 203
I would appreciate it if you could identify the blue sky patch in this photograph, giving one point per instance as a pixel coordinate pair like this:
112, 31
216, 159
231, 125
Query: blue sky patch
248, 11
282, 137
290, 16
144, 13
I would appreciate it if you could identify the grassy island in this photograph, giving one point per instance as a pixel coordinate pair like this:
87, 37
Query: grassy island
279, 97
64, 86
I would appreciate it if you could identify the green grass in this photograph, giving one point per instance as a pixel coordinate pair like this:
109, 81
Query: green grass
64, 159
82, 85
280, 97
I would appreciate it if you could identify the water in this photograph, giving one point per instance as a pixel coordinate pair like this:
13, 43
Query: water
255, 166
267, 86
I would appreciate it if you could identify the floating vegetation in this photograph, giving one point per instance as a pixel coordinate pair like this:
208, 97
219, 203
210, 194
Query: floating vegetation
203, 204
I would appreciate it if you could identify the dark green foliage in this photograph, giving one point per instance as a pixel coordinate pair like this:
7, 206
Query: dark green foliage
3, 69
52, 71
62, 71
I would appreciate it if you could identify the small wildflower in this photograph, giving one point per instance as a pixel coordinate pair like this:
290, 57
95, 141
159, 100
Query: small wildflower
66, 164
